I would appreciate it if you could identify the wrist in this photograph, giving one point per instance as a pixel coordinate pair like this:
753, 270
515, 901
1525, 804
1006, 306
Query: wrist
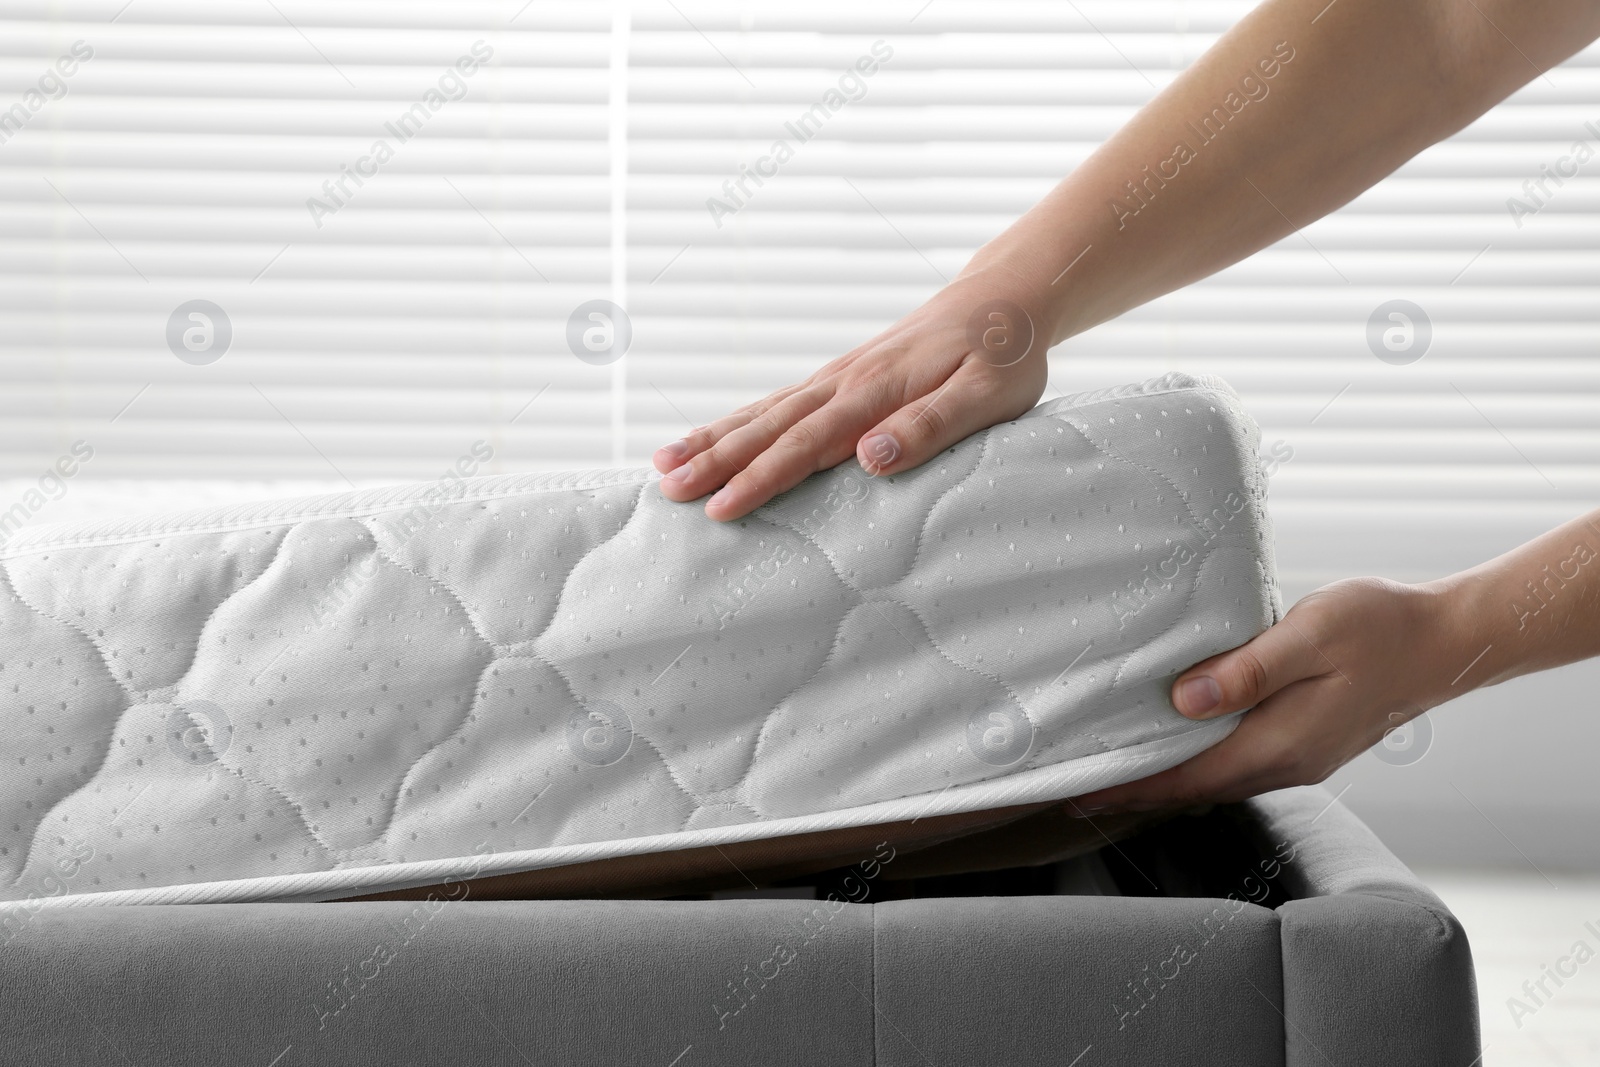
1040, 274
1467, 644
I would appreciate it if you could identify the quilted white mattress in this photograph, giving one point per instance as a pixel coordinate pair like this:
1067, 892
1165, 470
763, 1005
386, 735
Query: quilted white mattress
307, 699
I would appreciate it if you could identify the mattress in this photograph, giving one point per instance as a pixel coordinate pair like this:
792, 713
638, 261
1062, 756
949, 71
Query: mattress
315, 698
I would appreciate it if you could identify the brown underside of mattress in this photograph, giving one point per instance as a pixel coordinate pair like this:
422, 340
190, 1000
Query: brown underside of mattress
1024, 835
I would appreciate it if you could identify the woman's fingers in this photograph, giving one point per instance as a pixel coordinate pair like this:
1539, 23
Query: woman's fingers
718, 451
669, 458
965, 360
1280, 674
821, 440
775, 451
1261, 754
1245, 676
973, 398
1349, 662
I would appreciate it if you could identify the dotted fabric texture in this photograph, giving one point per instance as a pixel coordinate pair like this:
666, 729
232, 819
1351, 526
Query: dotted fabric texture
304, 699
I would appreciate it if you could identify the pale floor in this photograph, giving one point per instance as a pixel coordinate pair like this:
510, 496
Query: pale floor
1519, 924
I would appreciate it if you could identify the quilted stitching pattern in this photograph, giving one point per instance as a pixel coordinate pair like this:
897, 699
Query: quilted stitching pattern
358, 682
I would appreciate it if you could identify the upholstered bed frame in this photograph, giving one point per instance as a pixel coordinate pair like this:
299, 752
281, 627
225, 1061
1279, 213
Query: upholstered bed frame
1279, 931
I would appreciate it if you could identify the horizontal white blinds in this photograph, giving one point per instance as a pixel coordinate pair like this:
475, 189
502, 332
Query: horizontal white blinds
424, 312
432, 308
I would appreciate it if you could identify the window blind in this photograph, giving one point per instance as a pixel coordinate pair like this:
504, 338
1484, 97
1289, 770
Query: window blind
379, 327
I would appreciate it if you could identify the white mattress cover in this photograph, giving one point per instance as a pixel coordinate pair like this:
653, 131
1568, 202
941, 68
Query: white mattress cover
314, 698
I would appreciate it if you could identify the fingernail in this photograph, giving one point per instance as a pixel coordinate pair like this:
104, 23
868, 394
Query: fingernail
677, 449
879, 451
1199, 695
719, 498
678, 474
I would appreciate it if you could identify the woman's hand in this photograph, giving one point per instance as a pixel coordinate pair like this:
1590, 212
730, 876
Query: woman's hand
1347, 664
972, 356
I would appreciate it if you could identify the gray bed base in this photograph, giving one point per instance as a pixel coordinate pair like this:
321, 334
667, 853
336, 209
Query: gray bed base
1279, 931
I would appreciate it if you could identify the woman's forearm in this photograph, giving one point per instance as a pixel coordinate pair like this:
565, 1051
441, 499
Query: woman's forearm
1535, 607
1293, 113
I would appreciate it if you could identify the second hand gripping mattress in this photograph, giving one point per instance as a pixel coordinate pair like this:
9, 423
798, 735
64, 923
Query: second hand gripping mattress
390, 688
